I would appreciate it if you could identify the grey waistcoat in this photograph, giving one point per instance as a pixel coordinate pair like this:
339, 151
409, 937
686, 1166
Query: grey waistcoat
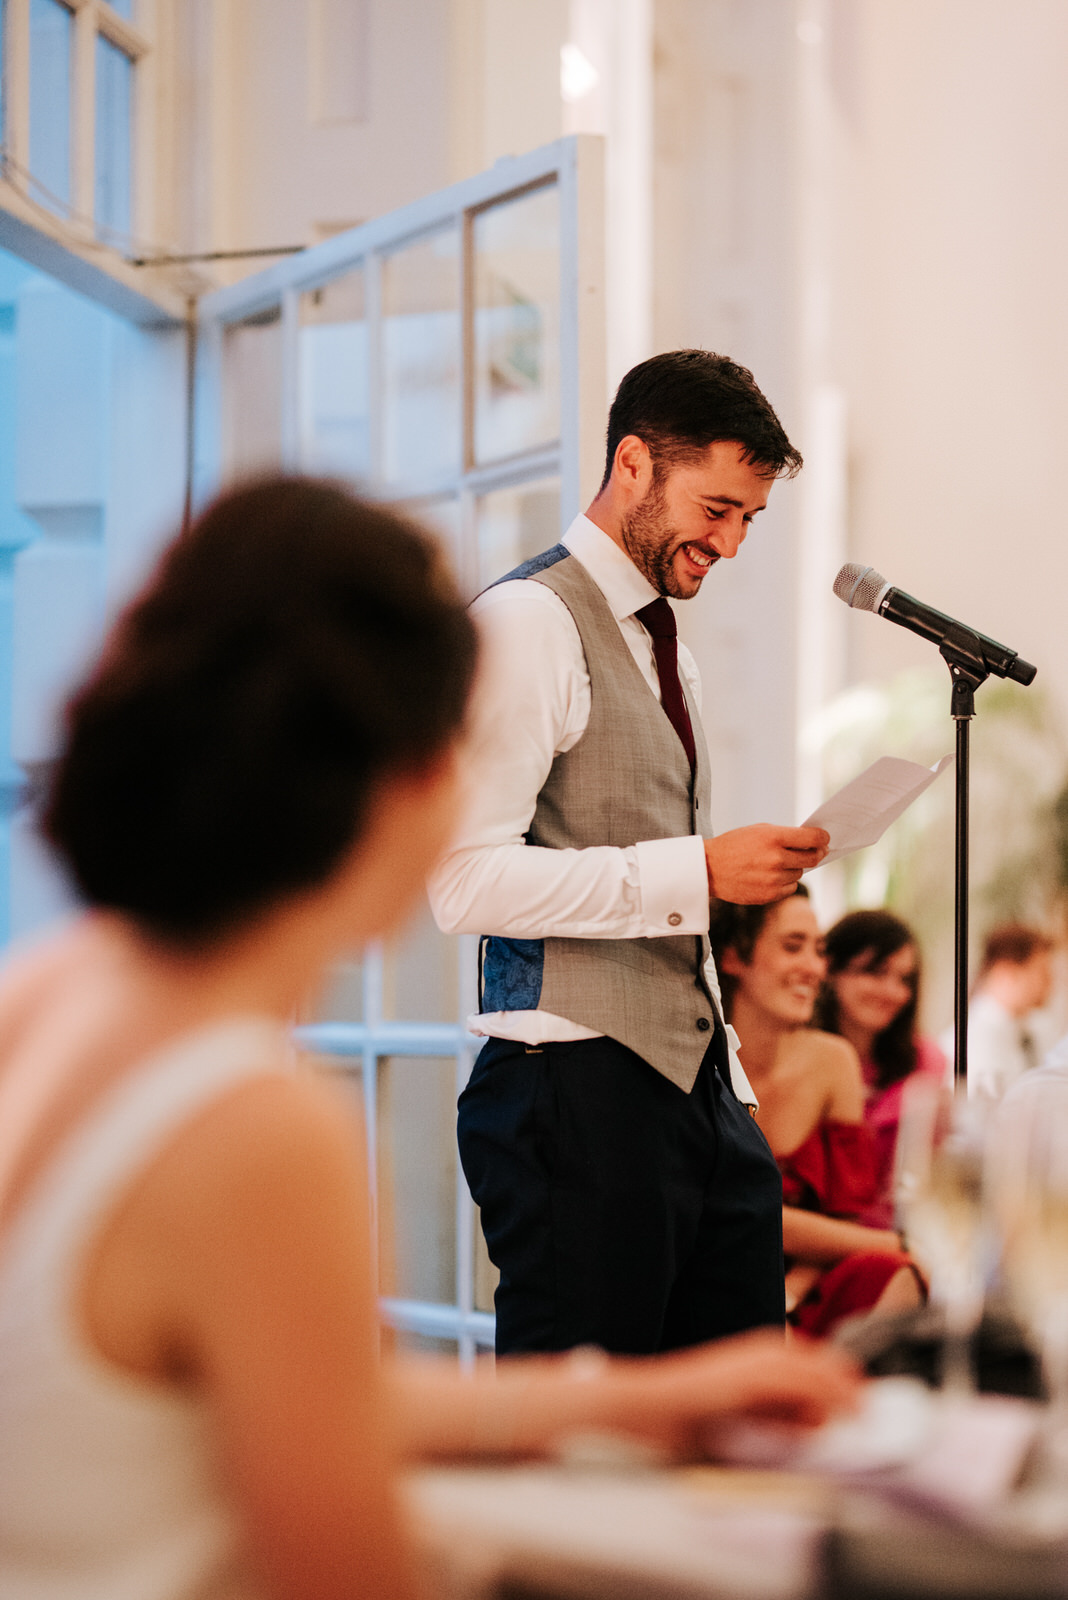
626, 780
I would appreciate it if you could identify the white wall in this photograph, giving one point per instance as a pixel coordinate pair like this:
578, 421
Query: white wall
960, 322
726, 243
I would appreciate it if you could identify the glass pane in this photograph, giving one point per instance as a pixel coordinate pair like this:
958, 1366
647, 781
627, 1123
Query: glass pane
51, 36
334, 409
517, 325
422, 1344
417, 1177
114, 99
252, 394
420, 978
486, 1275
342, 998
421, 359
442, 517
515, 524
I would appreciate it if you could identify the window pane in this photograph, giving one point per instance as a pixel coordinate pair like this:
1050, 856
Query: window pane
51, 35
114, 99
334, 409
442, 517
342, 999
515, 524
417, 1177
487, 1276
517, 325
421, 359
252, 394
419, 981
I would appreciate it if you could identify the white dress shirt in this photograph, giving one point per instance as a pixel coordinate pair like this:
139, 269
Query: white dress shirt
1001, 1047
531, 703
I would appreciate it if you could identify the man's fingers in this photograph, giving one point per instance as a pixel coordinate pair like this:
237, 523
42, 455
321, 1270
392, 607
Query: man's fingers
811, 840
801, 859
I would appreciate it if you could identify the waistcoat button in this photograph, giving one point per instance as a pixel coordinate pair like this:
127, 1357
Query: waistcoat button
703, 1024
674, 918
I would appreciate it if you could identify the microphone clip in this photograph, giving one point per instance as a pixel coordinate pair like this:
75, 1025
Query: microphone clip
962, 651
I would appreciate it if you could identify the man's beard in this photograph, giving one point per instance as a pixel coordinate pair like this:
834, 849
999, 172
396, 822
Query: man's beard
650, 542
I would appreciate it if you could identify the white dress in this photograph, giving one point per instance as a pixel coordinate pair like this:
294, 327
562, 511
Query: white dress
109, 1485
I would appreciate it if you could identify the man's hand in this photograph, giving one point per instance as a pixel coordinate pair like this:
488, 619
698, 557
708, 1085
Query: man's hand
754, 866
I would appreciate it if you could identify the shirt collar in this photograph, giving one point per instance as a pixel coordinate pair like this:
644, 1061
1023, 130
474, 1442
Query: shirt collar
611, 569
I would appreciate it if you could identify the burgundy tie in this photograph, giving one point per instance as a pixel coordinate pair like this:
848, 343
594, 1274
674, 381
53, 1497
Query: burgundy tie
659, 619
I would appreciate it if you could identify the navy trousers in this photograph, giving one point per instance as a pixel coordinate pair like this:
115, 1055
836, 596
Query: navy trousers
620, 1211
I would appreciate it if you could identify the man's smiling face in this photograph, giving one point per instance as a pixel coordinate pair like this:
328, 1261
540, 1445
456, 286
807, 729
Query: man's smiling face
696, 514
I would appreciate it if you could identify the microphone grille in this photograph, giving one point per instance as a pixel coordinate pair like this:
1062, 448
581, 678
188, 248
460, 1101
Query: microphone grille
860, 587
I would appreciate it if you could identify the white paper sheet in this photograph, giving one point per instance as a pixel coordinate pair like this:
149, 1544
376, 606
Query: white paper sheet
860, 813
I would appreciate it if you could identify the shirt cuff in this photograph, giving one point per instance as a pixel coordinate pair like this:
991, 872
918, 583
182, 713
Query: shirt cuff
673, 881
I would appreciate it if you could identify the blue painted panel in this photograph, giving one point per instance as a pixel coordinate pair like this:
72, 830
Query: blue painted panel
63, 383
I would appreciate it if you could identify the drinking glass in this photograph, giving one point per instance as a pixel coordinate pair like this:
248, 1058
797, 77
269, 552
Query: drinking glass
940, 1202
1029, 1168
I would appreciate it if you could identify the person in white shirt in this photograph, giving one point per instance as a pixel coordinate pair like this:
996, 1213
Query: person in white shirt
626, 1195
1005, 1037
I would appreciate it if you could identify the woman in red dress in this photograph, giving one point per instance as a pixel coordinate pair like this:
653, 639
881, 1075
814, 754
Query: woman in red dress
811, 1093
870, 997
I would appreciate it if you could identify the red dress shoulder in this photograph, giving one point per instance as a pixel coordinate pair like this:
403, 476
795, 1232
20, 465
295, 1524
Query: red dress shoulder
833, 1171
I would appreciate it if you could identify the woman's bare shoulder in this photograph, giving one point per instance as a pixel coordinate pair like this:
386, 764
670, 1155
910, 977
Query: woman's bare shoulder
29, 968
828, 1065
840, 1075
268, 1177
827, 1053
274, 1132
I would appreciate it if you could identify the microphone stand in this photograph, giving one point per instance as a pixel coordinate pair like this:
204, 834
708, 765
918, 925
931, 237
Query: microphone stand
963, 654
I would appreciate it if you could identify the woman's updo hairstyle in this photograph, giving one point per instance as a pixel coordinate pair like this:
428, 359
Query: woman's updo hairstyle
295, 646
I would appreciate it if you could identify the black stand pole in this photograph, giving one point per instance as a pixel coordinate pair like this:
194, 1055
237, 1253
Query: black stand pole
963, 654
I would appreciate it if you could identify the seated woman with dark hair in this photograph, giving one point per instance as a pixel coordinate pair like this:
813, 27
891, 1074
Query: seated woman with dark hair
870, 997
257, 776
770, 961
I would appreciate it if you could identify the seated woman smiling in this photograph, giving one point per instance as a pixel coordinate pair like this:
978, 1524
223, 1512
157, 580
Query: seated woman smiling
771, 964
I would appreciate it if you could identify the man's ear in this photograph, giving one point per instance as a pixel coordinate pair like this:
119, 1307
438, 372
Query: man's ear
633, 464
731, 962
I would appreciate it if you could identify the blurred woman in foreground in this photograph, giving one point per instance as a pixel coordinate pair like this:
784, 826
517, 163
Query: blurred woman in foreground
770, 961
256, 777
871, 997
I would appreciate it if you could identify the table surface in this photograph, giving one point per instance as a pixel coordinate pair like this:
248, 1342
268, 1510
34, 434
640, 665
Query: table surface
704, 1533
697, 1534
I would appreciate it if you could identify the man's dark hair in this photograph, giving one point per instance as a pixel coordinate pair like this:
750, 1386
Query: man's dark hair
682, 401
872, 937
1013, 942
295, 647
737, 928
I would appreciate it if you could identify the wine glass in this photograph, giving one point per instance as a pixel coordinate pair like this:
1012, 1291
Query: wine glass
940, 1204
1029, 1170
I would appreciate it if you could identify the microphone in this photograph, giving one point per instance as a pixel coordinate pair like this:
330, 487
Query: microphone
867, 590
